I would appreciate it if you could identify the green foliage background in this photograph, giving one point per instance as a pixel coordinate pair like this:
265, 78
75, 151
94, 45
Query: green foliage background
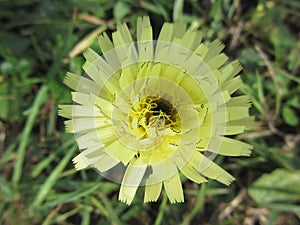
41, 39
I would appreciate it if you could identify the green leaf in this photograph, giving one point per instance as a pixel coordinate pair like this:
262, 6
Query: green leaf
13, 43
290, 116
294, 101
121, 9
4, 100
250, 57
278, 190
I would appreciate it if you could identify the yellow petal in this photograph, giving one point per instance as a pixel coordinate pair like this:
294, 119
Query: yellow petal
144, 37
152, 191
162, 52
72, 111
122, 36
173, 73
144, 69
220, 97
161, 170
146, 50
109, 52
96, 157
209, 169
248, 122
80, 162
191, 39
95, 64
232, 130
232, 85
127, 54
81, 98
120, 152
237, 112
105, 162
83, 125
81, 84
179, 29
105, 106
242, 100
88, 157
103, 136
156, 69
188, 117
215, 48
128, 75
87, 140
100, 71
195, 66
105, 43
192, 89
201, 51
131, 180
229, 71
217, 61
142, 23
229, 147
166, 32
173, 189
190, 172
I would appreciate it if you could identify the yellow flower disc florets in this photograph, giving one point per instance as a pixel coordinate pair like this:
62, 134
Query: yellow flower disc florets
153, 117
147, 119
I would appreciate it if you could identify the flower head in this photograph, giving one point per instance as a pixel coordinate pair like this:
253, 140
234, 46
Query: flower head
148, 109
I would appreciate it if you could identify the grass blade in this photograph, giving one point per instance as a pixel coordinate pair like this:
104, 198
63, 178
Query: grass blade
40, 99
45, 188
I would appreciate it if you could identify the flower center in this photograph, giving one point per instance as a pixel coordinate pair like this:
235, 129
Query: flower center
153, 117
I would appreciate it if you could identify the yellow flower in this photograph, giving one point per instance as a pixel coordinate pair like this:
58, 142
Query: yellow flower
148, 109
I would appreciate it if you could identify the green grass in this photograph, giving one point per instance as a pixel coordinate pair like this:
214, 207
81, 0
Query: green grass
41, 40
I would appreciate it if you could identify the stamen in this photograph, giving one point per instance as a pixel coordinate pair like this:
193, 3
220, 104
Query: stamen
156, 116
